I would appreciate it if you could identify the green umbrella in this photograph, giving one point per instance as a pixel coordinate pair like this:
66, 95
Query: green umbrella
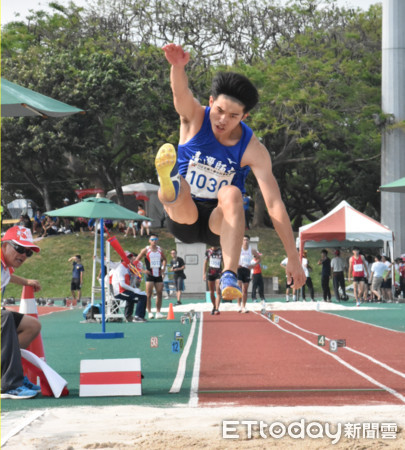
97, 208
394, 186
17, 101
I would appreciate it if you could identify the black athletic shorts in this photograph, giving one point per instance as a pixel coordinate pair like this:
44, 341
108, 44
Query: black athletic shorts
152, 279
75, 284
198, 231
17, 318
289, 285
358, 279
244, 274
386, 284
214, 277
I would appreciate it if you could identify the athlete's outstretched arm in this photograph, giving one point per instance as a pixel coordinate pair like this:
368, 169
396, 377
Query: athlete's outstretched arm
183, 98
258, 158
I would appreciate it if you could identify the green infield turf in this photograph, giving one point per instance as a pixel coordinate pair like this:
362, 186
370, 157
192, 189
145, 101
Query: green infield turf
386, 315
65, 346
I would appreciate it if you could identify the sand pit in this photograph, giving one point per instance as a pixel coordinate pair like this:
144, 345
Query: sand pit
134, 427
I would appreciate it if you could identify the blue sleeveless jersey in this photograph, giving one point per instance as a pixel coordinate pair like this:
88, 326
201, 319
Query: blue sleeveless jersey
207, 165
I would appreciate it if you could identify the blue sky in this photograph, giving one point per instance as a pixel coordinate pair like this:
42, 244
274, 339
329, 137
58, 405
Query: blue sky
10, 7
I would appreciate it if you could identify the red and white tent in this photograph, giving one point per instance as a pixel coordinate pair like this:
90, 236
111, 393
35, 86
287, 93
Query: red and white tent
344, 226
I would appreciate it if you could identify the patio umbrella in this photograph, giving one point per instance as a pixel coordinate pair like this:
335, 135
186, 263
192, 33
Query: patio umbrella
98, 208
17, 101
394, 186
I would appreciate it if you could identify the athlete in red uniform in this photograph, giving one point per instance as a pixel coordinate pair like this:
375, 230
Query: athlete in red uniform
359, 271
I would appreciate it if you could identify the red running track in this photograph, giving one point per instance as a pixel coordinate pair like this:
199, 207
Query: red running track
248, 360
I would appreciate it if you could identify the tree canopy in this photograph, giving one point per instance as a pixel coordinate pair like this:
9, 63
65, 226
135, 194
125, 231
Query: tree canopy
317, 69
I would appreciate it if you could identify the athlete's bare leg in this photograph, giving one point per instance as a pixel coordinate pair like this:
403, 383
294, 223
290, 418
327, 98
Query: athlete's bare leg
159, 290
227, 220
149, 292
183, 210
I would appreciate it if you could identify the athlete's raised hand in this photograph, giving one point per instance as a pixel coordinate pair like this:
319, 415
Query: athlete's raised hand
176, 55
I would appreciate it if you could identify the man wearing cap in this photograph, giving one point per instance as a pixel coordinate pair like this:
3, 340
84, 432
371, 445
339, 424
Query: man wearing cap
123, 290
338, 266
17, 330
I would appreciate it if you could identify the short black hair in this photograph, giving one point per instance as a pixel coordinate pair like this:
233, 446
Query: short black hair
236, 86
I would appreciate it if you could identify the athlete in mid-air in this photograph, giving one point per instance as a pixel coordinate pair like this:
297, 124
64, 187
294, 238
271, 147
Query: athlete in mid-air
201, 186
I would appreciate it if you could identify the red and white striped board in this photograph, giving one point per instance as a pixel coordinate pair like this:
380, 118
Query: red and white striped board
110, 377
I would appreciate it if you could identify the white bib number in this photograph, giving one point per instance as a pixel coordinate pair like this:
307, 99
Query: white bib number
215, 263
206, 181
358, 267
155, 266
245, 260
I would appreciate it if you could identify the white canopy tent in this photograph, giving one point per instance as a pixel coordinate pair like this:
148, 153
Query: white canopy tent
346, 227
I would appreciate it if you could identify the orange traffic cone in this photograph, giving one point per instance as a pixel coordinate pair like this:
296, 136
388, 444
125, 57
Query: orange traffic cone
28, 306
170, 316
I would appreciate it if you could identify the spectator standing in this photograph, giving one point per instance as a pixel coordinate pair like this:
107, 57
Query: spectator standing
245, 264
17, 330
307, 268
166, 284
155, 266
378, 269
77, 277
358, 269
338, 266
367, 280
401, 269
289, 284
387, 281
257, 278
246, 202
212, 270
325, 275
178, 265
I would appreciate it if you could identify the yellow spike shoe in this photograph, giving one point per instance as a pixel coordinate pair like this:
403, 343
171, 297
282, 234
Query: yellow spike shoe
168, 172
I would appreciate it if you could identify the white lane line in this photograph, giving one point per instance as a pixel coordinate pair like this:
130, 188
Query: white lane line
193, 402
341, 361
364, 355
24, 423
181, 370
